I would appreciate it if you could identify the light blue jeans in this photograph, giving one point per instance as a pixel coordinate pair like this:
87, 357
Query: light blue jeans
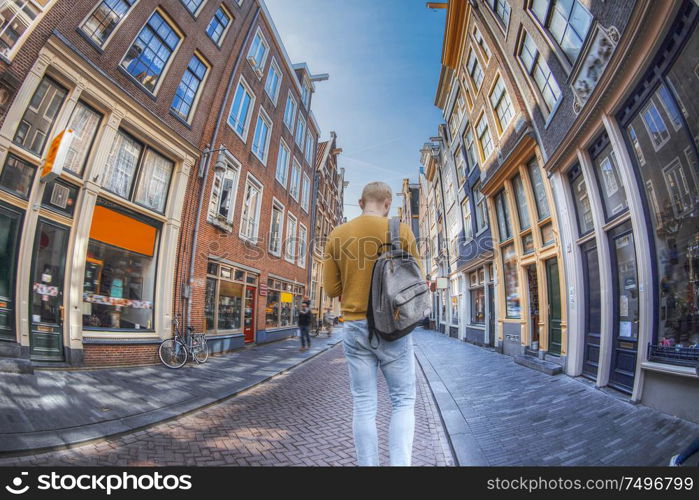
397, 362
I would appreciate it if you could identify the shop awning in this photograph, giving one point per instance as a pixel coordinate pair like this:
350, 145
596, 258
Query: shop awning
119, 230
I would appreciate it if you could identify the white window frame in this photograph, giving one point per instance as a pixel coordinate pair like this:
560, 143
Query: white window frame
467, 218
247, 88
305, 192
290, 99
501, 100
279, 205
479, 136
251, 180
291, 238
300, 128
310, 148
89, 14
258, 68
302, 256
232, 165
285, 181
274, 67
295, 190
264, 117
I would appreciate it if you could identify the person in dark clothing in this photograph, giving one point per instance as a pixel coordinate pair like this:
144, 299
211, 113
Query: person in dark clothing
305, 316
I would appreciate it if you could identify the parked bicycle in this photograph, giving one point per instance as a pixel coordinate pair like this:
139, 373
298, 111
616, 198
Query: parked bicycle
319, 327
175, 352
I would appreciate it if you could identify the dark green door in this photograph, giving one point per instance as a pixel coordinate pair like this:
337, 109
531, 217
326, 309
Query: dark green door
554, 298
46, 289
10, 227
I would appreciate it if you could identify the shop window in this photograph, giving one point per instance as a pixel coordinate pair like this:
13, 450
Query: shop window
606, 170
540, 198
625, 282
104, 19
583, 208
224, 298
283, 304
662, 134
547, 234
230, 306
119, 286
127, 162
17, 176
84, 123
60, 197
149, 55
219, 25
210, 304
568, 21
477, 298
511, 279
522, 207
189, 87
503, 212
250, 216
40, 116
455, 301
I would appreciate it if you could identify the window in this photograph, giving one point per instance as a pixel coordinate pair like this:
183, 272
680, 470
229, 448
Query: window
219, 25
542, 204
567, 21
300, 131
455, 300
260, 141
223, 194
511, 278
449, 188
457, 113
290, 112
239, 116
131, 162
274, 80
477, 286
40, 116
291, 233
17, 17
474, 70
503, 212
303, 242
250, 217
460, 166
102, 22
468, 226
258, 52
469, 144
583, 208
481, 43
484, 138
521, 199
306, 94
539, 71
148, 56
224, 308
283, 158
310, 148
189, 88
655, 126
670, 107
192, 5
501, 9
84, 123
613, 191
306, 193
17, 176
120, 271
283, 304
295, 185
481, 208
501, 103
275, 229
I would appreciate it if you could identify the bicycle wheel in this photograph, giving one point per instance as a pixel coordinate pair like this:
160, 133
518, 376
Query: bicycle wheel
200, 350
173, 353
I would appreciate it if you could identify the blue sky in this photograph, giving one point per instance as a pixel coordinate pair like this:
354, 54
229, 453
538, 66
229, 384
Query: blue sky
383, 57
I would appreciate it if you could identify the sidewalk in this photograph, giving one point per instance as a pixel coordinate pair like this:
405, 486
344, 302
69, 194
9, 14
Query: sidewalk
54, 409
500, 413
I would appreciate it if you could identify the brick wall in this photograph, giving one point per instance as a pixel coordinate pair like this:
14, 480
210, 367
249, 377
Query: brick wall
120, 355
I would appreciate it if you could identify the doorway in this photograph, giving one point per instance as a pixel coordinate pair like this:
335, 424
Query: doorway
533, 282
554, 307
46, 289
249, 314
593, 310
10, 227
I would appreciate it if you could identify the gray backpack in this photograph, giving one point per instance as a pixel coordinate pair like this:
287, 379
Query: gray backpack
399, 298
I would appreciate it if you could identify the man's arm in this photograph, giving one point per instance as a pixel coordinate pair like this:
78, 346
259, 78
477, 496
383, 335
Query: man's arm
332, 279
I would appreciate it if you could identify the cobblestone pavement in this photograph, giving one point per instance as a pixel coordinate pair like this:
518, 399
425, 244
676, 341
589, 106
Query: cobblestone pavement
505, 414
303, 417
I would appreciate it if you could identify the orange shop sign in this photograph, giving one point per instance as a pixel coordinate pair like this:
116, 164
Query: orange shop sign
56, 157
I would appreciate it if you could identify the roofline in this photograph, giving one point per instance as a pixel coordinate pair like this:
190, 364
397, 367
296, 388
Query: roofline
277, 37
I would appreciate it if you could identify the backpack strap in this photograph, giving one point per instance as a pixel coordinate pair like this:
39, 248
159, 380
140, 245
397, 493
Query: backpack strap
394, 232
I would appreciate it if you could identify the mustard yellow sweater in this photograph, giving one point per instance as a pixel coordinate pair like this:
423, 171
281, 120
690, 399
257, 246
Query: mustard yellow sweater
350, 254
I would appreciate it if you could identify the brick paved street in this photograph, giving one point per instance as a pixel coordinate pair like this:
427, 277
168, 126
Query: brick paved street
303, 417
500, 413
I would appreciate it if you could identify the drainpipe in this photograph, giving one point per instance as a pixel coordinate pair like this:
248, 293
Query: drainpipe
205, 165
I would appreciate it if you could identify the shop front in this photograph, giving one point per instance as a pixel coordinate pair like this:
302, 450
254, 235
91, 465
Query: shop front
283, 303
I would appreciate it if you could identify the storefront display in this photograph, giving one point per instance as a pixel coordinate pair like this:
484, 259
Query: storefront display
512, 301
119, 286
477, 286
283, 304
229, 299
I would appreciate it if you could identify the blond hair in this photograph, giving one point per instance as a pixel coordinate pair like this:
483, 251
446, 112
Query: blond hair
377, 192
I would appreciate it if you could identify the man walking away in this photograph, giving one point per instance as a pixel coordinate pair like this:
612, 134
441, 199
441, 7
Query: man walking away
351, 251
305, 316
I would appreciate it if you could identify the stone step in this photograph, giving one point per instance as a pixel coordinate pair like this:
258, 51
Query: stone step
539, 365
9, 350
16, 365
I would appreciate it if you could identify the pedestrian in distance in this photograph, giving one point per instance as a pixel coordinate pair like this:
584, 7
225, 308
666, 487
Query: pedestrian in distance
305, 317
351, 251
